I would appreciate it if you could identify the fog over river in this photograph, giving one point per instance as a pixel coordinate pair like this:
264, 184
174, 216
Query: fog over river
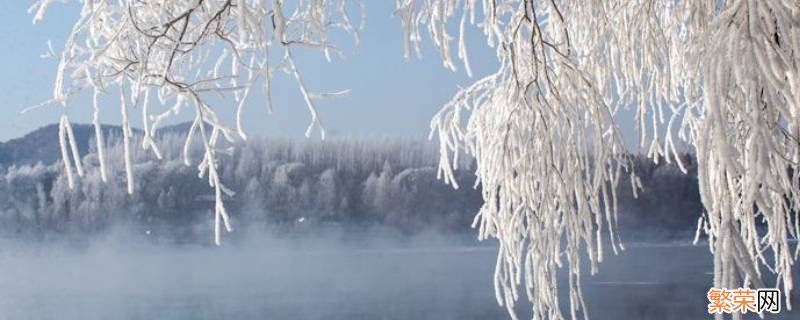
429, 277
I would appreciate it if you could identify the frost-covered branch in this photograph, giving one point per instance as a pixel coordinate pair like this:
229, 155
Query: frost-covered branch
543, 127
747, 138
182, 51
721, 75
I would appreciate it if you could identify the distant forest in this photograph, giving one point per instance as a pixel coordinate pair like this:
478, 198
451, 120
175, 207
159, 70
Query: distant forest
286, 184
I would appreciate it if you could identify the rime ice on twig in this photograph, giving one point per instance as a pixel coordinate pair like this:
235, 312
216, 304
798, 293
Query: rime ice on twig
722, 75
179, 51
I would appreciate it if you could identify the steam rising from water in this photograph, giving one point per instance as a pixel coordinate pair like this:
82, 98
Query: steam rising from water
372, 277
256, 278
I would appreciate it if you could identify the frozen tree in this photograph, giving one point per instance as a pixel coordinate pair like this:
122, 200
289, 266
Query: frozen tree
543, 126
285, 189
721, 75
327, 198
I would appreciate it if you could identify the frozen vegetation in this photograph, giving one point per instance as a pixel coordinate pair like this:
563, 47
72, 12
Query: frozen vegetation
719, 76
282, 184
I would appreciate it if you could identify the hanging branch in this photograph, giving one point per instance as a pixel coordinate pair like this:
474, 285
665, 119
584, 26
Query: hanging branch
720, 75
179, 51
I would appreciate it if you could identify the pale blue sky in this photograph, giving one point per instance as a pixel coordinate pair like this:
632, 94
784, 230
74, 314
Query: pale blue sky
389, 96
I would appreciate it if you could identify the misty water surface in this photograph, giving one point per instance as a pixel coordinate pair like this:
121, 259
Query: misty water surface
434, 277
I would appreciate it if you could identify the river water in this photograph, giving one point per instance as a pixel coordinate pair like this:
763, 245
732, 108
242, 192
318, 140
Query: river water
283, 279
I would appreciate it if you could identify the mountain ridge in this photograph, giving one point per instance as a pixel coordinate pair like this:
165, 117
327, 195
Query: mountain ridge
41, 145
